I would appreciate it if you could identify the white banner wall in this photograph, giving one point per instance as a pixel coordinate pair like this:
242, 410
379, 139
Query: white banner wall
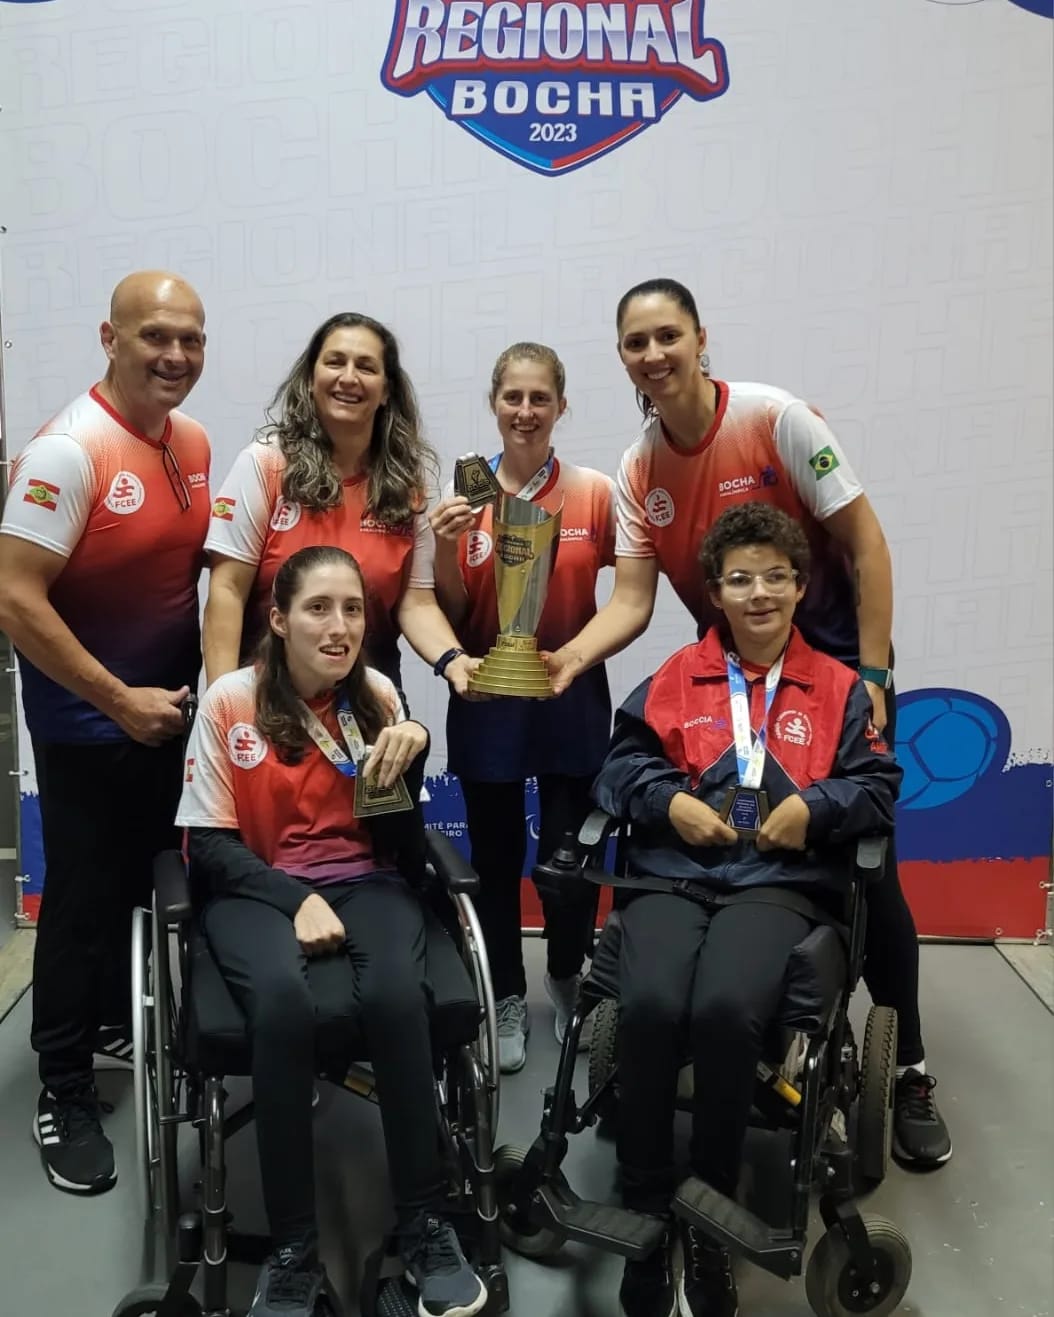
860, 195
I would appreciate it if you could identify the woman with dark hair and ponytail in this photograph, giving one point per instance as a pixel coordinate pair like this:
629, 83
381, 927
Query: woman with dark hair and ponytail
292, 873
342, 460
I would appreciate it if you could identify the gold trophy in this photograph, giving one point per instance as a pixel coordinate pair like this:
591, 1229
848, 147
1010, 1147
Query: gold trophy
526, 538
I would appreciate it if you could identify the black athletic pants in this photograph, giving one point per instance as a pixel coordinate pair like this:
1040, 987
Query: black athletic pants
380, 979
891, 947
107, 809
708, 985
497, 829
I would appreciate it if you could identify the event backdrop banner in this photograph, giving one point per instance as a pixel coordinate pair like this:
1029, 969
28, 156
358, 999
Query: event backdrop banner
859, 195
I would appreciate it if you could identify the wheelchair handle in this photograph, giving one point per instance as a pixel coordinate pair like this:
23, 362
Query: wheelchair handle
189, 709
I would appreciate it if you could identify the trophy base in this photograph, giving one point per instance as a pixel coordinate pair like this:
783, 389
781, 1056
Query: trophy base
514, 668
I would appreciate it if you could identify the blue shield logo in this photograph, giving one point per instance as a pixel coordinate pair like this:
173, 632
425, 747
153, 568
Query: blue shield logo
549, 84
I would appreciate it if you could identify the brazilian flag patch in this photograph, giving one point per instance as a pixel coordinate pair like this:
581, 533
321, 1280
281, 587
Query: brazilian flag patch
824, 462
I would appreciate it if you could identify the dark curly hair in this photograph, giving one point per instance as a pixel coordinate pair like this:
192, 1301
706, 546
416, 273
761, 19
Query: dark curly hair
279, 709
754, 523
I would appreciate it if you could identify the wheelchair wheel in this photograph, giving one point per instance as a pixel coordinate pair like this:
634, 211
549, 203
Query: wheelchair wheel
603, 1054
147, 1122
834, 1286
516, 1233
878, 1073
146, 1302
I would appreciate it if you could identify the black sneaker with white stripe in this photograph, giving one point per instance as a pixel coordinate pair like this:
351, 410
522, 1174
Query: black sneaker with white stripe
113, 1049
77, 1155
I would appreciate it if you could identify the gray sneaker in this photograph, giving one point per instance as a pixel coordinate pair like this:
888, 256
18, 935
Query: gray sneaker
437, 1269
513, 1028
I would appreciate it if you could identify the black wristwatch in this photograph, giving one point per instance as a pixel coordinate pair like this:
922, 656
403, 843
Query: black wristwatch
444, 661
878, 677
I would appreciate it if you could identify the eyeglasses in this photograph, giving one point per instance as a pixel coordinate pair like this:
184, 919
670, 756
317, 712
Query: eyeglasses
776, 581
175, 478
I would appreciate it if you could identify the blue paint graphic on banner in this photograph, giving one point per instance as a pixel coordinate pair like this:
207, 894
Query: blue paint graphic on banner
553, 86
947, 740
1044, 8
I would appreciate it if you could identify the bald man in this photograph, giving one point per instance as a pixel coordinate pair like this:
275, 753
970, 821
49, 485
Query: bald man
100, 553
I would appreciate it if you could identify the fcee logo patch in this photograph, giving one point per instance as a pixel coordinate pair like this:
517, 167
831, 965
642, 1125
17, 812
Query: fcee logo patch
553, 85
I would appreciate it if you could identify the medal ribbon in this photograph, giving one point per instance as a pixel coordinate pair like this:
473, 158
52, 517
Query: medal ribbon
353, 738
536, 482
750, 750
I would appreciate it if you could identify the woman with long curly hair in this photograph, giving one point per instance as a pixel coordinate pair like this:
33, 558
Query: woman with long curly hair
341, 461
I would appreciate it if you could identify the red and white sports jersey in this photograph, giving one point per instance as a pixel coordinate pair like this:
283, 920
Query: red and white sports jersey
294, 817
509, 740
764, 444
587, 543
108, 499
253, 523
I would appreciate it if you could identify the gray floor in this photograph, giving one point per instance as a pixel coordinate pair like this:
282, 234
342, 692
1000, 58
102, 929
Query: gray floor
980, 1228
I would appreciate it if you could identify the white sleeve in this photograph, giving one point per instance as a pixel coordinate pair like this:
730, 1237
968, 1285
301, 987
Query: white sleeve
242, 510
208, 777
422, 562
384, 688
818, 468
51, 494
632, 537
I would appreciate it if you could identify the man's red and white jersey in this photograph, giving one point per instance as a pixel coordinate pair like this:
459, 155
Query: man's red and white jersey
764, 444
113, 503
254, 523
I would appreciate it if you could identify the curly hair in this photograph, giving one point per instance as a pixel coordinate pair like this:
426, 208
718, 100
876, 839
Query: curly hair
279, 709
539, 355
402, 465
754, 523
678, 294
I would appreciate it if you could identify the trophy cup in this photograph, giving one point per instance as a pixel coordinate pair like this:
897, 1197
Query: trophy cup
526, 538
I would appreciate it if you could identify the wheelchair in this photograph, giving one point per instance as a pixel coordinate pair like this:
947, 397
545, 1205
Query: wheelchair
832, 1103
189, 1036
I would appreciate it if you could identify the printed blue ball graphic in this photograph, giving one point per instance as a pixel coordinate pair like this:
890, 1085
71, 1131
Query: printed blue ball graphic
946, 742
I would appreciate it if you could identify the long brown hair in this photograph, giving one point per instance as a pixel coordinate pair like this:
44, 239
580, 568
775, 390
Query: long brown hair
402, 465
279, 709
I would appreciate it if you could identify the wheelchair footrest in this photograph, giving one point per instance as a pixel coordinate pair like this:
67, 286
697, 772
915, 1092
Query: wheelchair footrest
614, 1229
724, 1220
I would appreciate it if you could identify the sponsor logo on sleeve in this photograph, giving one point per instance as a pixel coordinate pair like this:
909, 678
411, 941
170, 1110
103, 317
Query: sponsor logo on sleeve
245, 746
824, 462
659, 507
42, 494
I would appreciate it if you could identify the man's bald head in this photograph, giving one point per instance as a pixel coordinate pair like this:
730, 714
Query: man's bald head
155, 342
140, 293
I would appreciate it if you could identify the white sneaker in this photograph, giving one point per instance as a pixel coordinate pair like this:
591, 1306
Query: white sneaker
513, 1028
563, 993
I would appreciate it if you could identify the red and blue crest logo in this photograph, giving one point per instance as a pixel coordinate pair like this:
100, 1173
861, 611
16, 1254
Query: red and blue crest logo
553, 84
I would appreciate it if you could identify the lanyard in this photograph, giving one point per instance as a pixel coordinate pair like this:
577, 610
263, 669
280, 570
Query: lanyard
536, 482
349, 728
750, 751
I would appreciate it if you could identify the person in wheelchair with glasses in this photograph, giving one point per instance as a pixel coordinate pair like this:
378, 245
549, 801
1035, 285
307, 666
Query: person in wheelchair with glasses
286, 762
745, 765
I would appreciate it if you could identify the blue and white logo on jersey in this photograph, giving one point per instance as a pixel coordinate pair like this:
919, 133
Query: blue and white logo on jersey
551, 84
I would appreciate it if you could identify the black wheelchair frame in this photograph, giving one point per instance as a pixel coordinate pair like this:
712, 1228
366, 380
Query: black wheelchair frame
171, 1092
838, 1112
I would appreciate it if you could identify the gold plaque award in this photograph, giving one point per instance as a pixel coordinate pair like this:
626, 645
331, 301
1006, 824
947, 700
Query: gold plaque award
474, 480
372, 799
526, 538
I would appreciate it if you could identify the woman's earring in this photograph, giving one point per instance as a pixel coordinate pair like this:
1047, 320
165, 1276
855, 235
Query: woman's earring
704, 363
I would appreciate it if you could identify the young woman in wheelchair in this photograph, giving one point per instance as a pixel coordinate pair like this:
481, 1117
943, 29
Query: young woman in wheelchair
748, 761
294, 875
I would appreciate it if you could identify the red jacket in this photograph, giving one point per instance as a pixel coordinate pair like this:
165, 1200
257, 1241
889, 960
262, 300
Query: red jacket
674, 733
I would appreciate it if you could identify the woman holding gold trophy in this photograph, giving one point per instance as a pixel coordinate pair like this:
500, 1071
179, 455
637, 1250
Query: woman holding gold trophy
517, 558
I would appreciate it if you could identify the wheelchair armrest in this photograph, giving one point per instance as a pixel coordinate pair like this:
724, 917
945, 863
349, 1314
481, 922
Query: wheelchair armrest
171, 888
596, 830
451, 867
870, 857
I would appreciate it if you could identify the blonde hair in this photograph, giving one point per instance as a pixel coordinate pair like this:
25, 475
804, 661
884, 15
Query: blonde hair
537, 353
